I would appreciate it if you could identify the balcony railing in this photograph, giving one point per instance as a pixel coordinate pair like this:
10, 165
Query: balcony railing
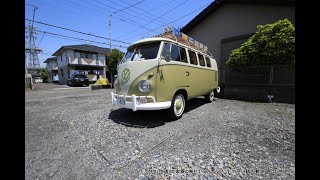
86, 61
54, 66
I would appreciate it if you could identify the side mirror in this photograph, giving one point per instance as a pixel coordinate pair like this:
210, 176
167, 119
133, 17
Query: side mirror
167, 55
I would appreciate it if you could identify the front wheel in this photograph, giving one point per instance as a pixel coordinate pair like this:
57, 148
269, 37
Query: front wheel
177, 107
210, 96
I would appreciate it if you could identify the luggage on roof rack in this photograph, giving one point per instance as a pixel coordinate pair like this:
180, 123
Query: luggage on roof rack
176, 35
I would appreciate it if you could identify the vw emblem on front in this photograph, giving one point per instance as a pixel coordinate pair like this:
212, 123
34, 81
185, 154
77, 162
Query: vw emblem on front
125, 76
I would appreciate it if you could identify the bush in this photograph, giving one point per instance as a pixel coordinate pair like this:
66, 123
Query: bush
273, 44
44, 74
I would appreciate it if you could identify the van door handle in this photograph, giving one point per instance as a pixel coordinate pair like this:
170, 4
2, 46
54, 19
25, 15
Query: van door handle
187, 73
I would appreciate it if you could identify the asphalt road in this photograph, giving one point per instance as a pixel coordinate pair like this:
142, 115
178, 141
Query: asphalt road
76, 134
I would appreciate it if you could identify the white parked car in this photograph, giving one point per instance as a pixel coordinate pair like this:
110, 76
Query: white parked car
37, 80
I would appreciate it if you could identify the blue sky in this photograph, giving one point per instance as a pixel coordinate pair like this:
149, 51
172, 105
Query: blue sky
131, 20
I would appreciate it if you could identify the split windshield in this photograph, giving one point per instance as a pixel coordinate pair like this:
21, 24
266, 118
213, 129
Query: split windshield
142, 52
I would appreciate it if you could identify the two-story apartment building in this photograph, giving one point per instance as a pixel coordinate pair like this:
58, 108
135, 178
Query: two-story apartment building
52, 66
81, 59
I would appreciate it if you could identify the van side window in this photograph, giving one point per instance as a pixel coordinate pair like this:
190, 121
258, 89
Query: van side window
175, 55
201, 60
183, 55
178, 54
208, 62
193, 57
165, 48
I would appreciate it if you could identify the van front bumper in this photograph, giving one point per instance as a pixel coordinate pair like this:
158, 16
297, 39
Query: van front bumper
135, 105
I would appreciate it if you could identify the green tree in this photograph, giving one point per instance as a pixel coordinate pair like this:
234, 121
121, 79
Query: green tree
44, 74
113, 58
272, 44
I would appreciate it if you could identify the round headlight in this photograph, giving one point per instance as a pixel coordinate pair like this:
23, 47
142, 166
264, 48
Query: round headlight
144, 86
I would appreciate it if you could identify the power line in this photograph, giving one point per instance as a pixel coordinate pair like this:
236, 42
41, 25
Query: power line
71, 12
76, 38
47, 53
158, 17
128, 6
32, 5
76, 31
130, 20
169, 22
41, 39
138, 14
119, 10
120, 18
146, 11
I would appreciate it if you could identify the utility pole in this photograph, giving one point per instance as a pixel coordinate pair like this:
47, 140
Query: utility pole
110, 25
31, 38
32, 51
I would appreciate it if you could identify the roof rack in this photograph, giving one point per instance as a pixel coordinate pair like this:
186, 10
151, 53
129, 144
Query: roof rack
176, 35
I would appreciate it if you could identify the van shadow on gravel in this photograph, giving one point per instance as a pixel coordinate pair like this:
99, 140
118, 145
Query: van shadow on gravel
148, 119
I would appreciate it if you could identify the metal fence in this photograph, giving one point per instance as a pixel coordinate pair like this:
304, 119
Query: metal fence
256, 83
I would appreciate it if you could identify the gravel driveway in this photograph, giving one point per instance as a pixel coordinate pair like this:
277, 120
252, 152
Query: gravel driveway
77, 134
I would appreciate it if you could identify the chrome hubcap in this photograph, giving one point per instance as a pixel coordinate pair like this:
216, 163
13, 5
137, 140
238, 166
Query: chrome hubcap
211, 95
179, 105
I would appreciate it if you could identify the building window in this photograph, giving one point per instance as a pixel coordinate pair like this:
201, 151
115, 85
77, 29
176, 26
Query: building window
82, 55
89, 56
61, 70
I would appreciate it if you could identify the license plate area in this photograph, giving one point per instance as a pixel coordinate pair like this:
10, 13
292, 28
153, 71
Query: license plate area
121, 100
142, 100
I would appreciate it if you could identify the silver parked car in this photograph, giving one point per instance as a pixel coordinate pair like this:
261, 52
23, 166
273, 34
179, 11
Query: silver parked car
37, 80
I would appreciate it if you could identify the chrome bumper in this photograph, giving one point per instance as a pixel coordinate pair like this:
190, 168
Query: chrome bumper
135, 105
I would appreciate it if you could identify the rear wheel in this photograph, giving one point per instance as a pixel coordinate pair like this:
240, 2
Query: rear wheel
177, 107
210, 96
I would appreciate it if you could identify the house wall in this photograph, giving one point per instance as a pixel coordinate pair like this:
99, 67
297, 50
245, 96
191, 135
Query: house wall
226, 29
101, 57
63, 75
231, 20
63, 65
51, 70
48, 66
59, 62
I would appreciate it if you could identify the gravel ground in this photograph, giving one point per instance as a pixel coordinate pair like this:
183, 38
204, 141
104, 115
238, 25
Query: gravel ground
48, 86
76, 134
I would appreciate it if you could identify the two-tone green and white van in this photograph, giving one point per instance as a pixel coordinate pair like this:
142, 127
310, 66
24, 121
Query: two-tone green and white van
160, 73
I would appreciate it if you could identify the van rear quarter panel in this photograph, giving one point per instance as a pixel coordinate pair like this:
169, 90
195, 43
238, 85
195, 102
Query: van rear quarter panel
202, 80
172, 76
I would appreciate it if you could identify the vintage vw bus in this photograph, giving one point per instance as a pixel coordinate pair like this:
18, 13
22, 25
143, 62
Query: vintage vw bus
161, 73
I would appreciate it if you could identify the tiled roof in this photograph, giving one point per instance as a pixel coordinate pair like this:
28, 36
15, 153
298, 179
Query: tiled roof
50, 59
83, 47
